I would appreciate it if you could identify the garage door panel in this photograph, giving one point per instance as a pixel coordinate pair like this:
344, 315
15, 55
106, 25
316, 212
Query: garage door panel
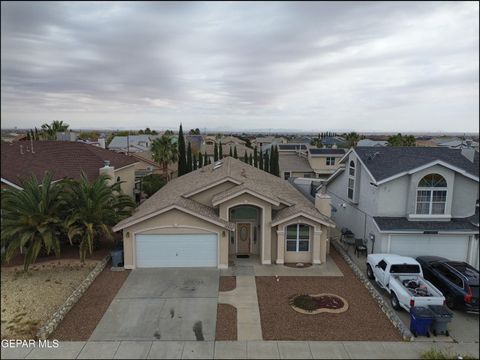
193, 250
451, 247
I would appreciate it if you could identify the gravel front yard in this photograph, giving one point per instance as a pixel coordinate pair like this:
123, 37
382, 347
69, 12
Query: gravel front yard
82, 319
29, 300
226, 323
363, 321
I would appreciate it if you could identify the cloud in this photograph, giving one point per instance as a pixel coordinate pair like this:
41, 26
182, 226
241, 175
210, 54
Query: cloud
302, 65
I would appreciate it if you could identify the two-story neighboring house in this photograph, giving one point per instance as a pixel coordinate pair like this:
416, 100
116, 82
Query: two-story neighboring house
410, 201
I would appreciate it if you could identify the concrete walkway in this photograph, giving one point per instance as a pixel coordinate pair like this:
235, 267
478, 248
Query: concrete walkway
238, 350
244, 298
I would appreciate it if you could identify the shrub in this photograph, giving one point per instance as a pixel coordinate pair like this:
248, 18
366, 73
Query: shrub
152, 183
439, 354
304, 302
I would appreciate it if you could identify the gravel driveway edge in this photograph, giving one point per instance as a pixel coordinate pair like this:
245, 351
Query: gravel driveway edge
392, 316
46, 329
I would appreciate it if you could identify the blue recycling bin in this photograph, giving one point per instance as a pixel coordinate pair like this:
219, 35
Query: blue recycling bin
421, 319
117, 257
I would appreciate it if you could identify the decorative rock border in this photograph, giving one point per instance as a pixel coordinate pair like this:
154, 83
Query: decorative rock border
391, 315
46, 329
323, 310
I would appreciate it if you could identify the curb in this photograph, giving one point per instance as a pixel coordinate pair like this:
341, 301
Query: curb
48, 327
393, 317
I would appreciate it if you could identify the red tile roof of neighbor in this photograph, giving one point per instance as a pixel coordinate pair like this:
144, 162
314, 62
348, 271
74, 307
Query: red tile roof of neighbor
62, 158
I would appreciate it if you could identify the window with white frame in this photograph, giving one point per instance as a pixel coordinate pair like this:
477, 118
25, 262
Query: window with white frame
298, 238
431, 195
351, 180
330, 161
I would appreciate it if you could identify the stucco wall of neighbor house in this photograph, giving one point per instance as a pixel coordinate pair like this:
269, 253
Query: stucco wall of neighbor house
142, 165
320, 163
205, 197
415, 178
266, 220
126, 174
465, 195
173, 222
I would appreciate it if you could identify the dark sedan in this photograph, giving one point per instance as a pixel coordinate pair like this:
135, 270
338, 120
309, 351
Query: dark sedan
458, 281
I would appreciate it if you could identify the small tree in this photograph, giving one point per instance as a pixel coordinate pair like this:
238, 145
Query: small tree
231, 151
235, 154
245, 157
271, 165
215, 152
266, 162
255, 157
205, 159
200, 160
250, 159
220, 151
152, 183
194, 164
164, 152
189, 157
260, 159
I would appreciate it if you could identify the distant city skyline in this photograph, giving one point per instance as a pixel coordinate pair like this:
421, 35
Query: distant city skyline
303, 66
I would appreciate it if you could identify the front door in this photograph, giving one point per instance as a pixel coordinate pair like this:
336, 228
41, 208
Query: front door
243, 238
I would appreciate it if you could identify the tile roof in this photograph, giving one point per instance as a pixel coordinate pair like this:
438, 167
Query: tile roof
292, 147
293, 162
403, 224
384, 162
259, 181
326, 151
62, 158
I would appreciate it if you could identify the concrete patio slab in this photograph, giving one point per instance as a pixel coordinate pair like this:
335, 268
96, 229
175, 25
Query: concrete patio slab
198, 350
170, 283
365, 350
327, 350
230, 350
133, 350
166, 350
294, 350
99, 350
129, 319
66, 350
15, 352
262, 350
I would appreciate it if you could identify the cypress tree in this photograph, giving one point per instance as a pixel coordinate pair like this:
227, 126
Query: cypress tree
255, 157
36, 134
189, 157
200, 160
271, 164
209, 161
231, 152
266, 161
250, 159
215, 152
182, 164
194, 160
276, 163
220, 151
245, 157
260, 159
205, 159
28, 135
235, 154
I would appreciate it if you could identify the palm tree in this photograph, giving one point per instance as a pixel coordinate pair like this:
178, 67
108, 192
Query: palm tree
31, 218
352, 139
164, 152
50, 130
95, 207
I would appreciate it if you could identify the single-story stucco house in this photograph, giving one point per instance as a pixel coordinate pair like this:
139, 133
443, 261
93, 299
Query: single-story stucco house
223, 209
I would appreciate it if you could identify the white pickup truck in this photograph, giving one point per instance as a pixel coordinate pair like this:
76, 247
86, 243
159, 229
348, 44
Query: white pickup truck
402, 277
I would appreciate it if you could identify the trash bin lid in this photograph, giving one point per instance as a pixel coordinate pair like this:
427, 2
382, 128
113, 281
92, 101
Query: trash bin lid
422, 312
440, 310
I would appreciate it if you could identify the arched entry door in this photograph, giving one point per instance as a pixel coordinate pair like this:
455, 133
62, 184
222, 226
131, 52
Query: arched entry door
243, 238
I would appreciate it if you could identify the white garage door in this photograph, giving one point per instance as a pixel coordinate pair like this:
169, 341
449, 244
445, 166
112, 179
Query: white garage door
454, 247
194, 250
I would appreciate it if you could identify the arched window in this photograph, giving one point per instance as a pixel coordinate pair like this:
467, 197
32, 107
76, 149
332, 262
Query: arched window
431, 195
351, 180
298, 238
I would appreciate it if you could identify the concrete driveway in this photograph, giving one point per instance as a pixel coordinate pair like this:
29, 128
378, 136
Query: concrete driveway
163, 304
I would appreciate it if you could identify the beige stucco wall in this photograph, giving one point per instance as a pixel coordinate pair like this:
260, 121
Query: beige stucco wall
266, 220
320, 163
126, 174
173, 222
205, 197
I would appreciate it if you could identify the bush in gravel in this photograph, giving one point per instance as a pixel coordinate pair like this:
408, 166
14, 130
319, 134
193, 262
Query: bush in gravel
304, 302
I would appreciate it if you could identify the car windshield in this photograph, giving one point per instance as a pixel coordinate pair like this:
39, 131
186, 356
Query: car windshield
404, 269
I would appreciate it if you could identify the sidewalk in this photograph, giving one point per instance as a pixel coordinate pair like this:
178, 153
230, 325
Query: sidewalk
238, 350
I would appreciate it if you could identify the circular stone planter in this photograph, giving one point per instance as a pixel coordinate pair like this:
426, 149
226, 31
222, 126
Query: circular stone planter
326, 303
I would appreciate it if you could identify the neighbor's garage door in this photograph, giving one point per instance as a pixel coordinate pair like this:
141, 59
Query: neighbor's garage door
196, 250
454, 247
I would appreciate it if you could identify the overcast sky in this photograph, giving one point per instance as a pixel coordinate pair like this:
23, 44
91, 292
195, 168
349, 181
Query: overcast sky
364, 66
